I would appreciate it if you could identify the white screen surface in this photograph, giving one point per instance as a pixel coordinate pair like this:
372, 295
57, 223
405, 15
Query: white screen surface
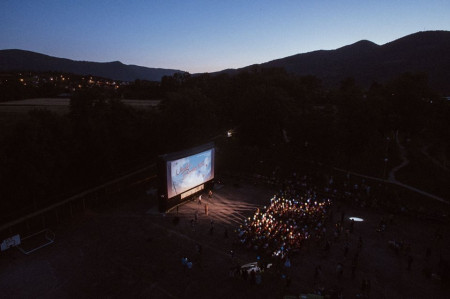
188, 172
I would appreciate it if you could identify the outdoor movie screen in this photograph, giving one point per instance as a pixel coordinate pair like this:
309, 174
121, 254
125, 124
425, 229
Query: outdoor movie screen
188, 172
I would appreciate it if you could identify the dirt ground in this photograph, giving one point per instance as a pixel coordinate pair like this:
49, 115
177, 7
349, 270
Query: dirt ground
132, 251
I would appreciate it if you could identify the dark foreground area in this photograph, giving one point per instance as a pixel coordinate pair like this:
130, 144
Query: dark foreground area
132, 251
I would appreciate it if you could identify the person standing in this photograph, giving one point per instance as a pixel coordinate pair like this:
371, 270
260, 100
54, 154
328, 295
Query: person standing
211, 228
317, 274
193, 225
258, 277
346, 248
410, 260
360, 243
340, 270
252, 277
206, 209
288, 281
354, 263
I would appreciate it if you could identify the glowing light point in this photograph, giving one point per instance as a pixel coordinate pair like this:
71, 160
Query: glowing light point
356, 219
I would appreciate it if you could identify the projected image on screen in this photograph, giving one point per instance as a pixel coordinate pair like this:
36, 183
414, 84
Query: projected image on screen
186, 173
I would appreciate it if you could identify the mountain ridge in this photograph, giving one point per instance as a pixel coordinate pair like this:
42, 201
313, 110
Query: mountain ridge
368, 62
364, 60
24, 60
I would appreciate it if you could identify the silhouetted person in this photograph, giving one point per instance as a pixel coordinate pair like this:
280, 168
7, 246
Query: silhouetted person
360, 243
252, 277
244, 274
327, 246
353, 270
317, 273
410, 260
365, 286
199, 248
340, 269
346, 248
352, 224
288, 281
428, 253
193, 224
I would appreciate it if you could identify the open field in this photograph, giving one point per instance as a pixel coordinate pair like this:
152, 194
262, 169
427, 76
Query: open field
60, 105
135, 252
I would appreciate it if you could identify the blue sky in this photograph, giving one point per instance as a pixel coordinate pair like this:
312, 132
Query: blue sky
205, 36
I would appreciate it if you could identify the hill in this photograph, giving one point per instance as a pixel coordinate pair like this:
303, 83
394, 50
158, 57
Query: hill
365, 61
368, 62
20, 60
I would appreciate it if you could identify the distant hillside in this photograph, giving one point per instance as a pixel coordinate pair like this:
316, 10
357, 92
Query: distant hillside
20, 60
367, 62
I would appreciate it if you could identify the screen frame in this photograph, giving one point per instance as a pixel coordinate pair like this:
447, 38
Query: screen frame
166, 202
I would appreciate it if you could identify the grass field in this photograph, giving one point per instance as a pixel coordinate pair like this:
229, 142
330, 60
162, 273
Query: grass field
60, 105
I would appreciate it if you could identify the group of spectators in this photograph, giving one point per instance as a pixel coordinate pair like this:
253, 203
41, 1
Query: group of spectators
280, 229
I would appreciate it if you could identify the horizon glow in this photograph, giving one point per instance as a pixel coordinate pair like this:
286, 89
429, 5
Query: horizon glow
207, 36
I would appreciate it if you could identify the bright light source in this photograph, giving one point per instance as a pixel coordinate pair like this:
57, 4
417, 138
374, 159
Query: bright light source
356, 219
229, 133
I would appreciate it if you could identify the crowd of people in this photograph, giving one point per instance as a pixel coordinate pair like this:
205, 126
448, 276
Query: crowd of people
302, 210
281, 228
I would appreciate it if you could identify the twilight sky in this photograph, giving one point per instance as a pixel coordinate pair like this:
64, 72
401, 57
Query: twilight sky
208, 35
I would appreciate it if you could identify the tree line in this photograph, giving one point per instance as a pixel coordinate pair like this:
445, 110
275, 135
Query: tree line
276, 115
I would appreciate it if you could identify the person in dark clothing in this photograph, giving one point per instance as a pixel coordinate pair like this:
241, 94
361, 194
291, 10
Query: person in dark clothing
360, 243
317, 273
352, 224
353, 269
199, 248
346, 248
410, 260
288, 281
252, 277
428, 253
327, 246
244, 274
